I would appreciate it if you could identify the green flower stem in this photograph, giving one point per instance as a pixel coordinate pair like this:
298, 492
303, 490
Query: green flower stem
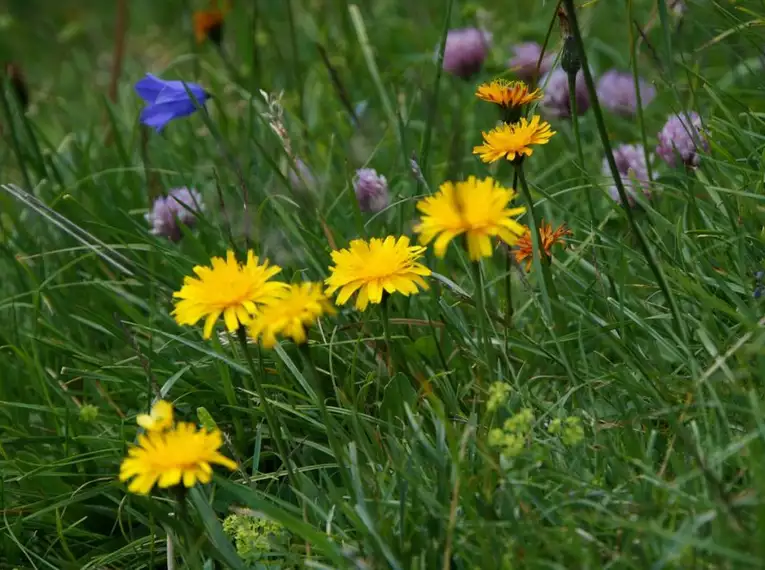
541, 264
578, 139
386, 331
274, 425
228, 391
638, 94
508, 276
191, 555
329, 423
603, 132
480, 305
540, 261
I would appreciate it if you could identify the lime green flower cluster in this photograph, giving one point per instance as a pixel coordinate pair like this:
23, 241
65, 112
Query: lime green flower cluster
255, 537
570, 430
88, 413
498, 393
511, 437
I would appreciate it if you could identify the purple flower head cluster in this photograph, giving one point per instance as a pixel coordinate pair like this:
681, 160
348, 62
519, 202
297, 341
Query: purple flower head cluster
556, 102
371, 190
180, 206
465, 51
682, 136
632, 167
168, 100
616, 92
525, 59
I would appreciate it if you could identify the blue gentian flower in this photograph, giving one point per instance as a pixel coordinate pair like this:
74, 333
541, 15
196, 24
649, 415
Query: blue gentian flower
168, 100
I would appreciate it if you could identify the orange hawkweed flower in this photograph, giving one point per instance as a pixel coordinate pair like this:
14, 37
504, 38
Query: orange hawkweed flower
524, 250
208, 24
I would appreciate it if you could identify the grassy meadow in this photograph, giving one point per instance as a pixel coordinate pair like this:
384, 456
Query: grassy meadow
599, 407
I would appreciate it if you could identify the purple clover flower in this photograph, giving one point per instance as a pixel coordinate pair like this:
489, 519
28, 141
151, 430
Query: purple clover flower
616, 92
180, 206
525, 58
371, 190
683, 136
632, 167
465, 51
168, 100
556, 102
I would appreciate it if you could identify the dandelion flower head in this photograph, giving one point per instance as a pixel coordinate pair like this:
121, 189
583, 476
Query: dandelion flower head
514, 141
227, 288
372, 267
290, 315
548, 238
177, 454
507, 93
476, 208
160, 418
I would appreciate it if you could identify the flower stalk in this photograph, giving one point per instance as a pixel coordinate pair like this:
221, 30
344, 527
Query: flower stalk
480, 305
274, 425
603, 132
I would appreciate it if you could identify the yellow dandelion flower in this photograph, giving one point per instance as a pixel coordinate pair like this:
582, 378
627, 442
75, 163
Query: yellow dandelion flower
290, 315
476, 208
375, 266
183, 454
507, 93
227, 288
515, 140
548, 238
160, 419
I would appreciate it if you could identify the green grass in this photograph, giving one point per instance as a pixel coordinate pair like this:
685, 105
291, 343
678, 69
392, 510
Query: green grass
656, 345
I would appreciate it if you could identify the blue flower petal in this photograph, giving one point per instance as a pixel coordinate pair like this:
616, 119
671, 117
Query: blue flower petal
168, 100
157, 116
168, 95
157, 120
149, 87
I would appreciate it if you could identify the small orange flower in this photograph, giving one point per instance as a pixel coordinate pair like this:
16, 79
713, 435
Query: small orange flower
208, 24
507, 93
524, 250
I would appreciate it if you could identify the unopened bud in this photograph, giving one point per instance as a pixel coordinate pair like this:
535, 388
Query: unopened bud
570, 60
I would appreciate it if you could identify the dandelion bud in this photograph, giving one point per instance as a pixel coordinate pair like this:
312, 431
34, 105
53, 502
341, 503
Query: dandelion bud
570, 60
371, 190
